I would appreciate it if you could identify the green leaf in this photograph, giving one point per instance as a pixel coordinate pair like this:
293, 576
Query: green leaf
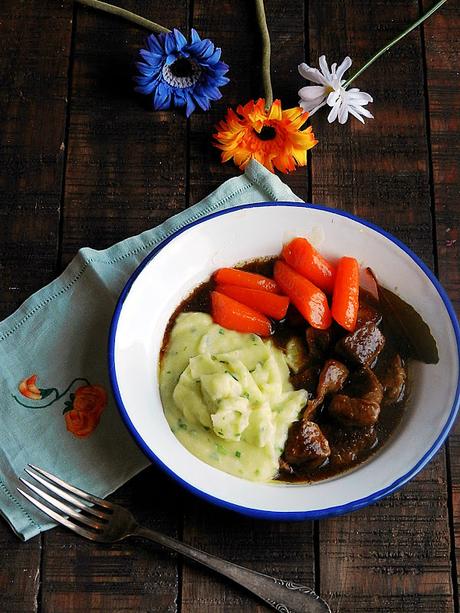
72, 397
412, 335
46, 392
67, 407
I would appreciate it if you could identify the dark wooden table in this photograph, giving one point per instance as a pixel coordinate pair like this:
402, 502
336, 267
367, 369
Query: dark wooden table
83, 161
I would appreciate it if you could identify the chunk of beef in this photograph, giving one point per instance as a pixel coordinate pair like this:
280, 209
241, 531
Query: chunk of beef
362, 346
351, 444
393, 380
331, 380
318, 342
360, 404
354, 411
367, 314
306, 445
306, 379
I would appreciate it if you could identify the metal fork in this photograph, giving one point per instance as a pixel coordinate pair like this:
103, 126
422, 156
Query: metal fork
106, 522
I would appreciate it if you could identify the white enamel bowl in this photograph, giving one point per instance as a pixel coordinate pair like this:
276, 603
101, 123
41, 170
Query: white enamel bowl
189, 257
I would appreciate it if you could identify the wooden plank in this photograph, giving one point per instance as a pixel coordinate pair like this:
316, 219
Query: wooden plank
441, 35
280, 549
125, 174
393, 556
33, 68
233, 27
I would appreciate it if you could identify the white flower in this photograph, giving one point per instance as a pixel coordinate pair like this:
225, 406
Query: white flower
330, 91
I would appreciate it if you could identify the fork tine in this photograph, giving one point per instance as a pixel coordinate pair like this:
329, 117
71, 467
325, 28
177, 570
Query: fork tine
66, 496
62, 506
71, 488
59, 518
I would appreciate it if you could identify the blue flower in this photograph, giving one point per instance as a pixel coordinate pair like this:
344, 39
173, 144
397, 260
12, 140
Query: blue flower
179, 73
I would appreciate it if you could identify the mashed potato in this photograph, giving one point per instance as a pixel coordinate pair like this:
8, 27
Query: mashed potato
227, 396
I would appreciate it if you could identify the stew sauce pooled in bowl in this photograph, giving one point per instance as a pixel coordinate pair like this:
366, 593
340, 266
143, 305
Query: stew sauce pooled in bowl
285, 369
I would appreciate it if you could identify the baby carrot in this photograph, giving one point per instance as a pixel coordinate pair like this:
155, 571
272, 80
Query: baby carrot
234, 276
309, 299
233, 315
304, 259
267, 303
345, 299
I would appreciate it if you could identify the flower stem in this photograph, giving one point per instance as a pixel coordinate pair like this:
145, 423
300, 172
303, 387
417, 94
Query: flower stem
396, 40
267, 81
119, 12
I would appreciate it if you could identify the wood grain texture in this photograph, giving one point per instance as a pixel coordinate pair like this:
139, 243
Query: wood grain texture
127, 164
281, 549
232, 26
125, 173
393, 556
35, 41
441, 36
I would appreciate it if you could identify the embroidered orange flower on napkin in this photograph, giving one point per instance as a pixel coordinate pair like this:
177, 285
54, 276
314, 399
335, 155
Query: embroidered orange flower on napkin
88, 403
83, 409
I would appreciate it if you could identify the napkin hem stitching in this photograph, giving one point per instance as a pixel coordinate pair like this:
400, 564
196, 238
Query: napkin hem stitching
138, 249
19, 505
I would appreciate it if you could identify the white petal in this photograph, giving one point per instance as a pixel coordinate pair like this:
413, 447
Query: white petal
344, 66
312, 74
355, 114
343, 114
361, 110
310, 92
325, 68
334, 112
333, 68
360, 97
313, 111
333, 98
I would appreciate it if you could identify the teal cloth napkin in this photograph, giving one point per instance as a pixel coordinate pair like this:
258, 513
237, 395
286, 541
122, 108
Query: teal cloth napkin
56, 407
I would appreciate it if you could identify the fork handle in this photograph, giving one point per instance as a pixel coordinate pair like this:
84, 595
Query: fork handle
283, 596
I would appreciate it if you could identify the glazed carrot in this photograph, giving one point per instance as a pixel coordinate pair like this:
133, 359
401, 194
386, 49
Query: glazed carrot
267, 303
304, 259
309, 299
345, 299
233, 315
234, 276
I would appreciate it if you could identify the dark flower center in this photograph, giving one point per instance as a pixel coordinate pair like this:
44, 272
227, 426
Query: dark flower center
182, 67
267, 133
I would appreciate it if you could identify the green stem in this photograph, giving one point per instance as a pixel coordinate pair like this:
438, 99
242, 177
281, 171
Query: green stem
58, 396
267, 81
119, 12
395, 40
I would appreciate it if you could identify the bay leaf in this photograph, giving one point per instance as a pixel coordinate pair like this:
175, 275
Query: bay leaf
411, 333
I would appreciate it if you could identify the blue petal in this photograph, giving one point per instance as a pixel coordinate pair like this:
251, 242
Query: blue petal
145, 69
170, 43
201, 99
146, 89
143, 80
171, 59
180, 99
151, 58
195, 36
203, 49
190, 105
162, 97
181, 41
155, 43
215, 57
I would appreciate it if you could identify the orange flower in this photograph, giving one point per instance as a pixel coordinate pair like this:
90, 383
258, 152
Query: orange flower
88, 404
274, 137
28, 388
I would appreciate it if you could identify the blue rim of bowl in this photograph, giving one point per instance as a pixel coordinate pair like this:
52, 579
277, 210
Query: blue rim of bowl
265, 513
